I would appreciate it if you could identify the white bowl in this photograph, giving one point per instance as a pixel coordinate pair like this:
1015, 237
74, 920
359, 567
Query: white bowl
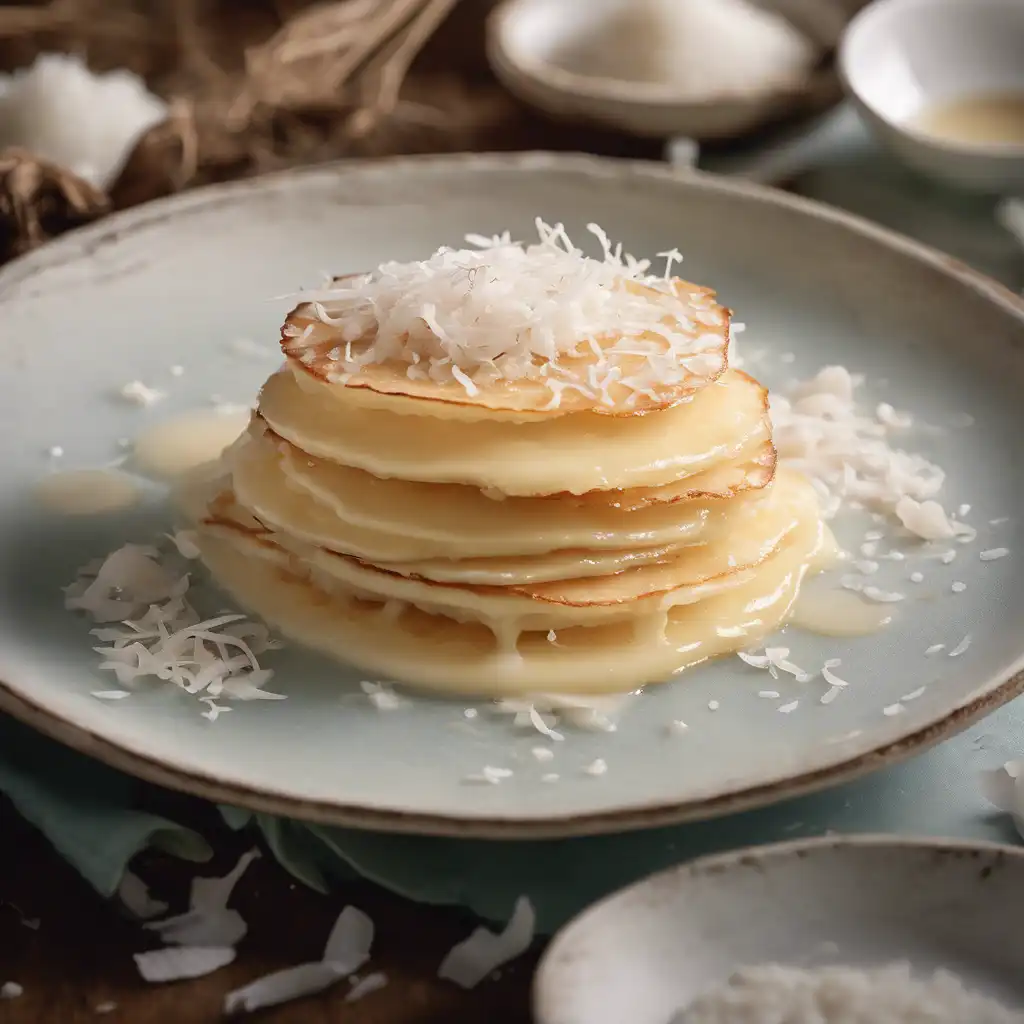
899, 57
530, 45
863, 901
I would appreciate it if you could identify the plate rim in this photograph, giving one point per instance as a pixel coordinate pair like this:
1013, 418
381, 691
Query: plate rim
84, 242
541, 994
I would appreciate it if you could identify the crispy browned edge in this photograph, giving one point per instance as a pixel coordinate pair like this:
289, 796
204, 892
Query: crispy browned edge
679, 394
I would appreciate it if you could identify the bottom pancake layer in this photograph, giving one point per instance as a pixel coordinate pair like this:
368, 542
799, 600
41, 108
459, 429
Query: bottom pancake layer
396, 640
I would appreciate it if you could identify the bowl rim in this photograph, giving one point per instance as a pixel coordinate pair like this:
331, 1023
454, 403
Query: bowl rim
623, 91
871, 18
543, 993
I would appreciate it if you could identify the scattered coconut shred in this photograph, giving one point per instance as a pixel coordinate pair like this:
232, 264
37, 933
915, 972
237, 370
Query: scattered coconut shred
197, 942
853, 459
347, 949
203, 939
473, 959
159, 634
772, 994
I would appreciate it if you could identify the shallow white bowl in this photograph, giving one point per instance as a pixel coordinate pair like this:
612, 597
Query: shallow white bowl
646, 952
530, 43
899, 57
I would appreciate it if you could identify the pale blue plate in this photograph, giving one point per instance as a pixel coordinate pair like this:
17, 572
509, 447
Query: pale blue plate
177, 282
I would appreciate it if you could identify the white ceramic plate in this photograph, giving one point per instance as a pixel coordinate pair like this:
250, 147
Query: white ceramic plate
646, 952
177, 282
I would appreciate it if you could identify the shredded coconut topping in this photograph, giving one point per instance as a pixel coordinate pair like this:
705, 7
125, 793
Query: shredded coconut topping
503, 310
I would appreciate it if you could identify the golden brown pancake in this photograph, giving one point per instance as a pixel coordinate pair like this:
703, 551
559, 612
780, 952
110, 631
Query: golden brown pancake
435, 652
574, 453
313, 346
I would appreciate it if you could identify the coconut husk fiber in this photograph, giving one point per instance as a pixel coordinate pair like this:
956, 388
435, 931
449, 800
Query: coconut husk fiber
262, 85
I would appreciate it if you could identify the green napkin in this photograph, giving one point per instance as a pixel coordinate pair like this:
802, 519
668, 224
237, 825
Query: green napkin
87, 810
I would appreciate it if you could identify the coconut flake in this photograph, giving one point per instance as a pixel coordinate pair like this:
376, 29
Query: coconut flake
892, 709
208, 921
184, 542
176, 963
991, 554
366, 986
786, 709
160, 633
846, 453
594, 713
778, 657
961, 647
110, 694
543, 753
134, 894
381, 695
882, 596
935, 648
597, 767
914, 694
831, 678
346, 950
1003, 787
473, 959
677, 727
754, 660
490, 775
139, 394
958, 586
282, 987
350, 941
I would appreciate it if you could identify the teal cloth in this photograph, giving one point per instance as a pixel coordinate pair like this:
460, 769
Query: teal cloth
93, 814
89, 813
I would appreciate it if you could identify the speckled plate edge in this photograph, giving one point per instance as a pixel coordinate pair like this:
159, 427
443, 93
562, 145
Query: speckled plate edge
546, 981
988, 696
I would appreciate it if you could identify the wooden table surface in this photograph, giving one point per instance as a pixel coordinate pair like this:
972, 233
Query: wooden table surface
80, 955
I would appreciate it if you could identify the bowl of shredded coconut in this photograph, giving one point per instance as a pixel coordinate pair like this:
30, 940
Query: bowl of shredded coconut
843, 930
706, 69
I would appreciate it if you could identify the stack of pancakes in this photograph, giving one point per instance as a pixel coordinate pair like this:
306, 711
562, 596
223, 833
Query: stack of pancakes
480, 531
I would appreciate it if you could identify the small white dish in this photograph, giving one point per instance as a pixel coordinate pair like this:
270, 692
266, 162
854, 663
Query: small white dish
900, 58
647, 952
533, 47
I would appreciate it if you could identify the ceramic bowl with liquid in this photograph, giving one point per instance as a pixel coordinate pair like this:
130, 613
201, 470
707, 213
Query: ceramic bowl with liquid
942, 84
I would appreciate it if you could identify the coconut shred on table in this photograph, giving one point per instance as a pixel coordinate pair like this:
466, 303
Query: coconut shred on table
658, 496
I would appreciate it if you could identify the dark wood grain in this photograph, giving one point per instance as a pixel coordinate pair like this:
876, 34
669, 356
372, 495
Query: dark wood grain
80, 955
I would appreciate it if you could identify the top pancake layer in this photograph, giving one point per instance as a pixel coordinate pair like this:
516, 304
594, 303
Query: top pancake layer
523, 332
